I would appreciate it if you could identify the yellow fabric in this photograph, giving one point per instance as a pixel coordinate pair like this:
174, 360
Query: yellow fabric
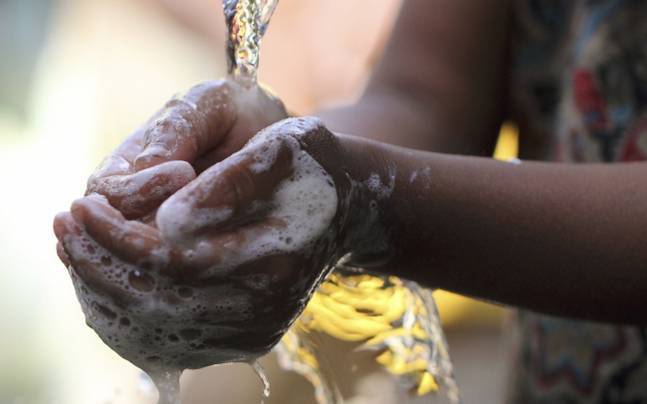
372, 310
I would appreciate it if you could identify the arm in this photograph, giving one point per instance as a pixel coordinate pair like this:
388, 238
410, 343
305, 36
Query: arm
555, 238
440, 83
561, 239
271, 220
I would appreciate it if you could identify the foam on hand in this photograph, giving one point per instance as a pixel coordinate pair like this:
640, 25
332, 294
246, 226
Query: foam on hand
158, 325
301, 209
164, 326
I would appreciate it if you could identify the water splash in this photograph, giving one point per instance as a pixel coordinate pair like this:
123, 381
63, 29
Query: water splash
260, 372
247, 21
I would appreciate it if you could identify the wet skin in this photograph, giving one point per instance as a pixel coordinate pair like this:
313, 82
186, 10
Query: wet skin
550, 237
167, 290
393, 205
401, 211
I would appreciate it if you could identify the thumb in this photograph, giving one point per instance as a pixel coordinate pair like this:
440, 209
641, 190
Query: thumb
188, 125
232, 193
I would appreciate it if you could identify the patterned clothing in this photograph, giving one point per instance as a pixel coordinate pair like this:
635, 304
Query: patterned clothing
579, 94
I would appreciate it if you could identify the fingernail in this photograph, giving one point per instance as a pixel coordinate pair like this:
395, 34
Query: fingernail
151, 156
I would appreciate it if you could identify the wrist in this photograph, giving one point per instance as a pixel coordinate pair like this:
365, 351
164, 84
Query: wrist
364, 176
366, 188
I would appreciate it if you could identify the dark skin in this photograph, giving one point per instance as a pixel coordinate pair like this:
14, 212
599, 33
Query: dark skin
437, 88
554, 238
550, 237
196, 284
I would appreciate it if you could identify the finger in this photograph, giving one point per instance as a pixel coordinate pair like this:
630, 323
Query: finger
88, 260
64, 226
131, 241
189, 125
139, 193
214, 156
62, 255
252, 116
221, 253
231, 193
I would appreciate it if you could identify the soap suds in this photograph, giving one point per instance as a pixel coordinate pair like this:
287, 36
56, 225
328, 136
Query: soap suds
381, 189
300, 210
164, 326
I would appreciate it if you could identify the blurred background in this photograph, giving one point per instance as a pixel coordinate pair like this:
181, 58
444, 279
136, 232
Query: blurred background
77, 76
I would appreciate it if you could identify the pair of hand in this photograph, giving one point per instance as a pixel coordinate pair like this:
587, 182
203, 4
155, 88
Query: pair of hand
194, 244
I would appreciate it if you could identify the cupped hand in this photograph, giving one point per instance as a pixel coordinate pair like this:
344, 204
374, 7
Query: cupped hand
231, 261
191, 133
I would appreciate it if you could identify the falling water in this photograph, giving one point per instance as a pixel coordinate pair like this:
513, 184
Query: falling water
247, 21
260, 372
168, 385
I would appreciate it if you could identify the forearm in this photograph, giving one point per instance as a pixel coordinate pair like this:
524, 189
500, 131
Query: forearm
413, 119
437, 87
562, 239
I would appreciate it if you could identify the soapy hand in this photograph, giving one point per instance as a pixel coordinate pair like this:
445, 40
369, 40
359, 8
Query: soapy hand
192, 132
230, 261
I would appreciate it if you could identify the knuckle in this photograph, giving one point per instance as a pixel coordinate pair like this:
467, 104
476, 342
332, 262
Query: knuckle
176, 120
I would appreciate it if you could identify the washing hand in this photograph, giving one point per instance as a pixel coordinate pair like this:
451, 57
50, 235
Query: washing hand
229, 260
191, 133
